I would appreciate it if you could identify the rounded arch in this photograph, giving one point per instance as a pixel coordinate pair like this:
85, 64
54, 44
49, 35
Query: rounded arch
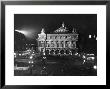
52, 51
67, 51
57, 51
62, 51
47, 51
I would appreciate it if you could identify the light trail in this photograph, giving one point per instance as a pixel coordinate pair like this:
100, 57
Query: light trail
22, 31
27, 33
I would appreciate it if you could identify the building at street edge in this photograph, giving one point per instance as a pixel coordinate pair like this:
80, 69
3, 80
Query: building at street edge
60, 42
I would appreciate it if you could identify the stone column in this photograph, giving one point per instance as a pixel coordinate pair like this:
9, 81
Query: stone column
75, 44
70, 44
54, 51
64, 43
49, 51
51, 44
59, 51
59, 43
55, 45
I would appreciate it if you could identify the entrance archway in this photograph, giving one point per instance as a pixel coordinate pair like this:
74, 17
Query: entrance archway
56, 51
52, 52
62, 51
47, 52
67, 51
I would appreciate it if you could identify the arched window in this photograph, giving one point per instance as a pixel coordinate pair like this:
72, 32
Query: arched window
57, 43
52, 44
47, 44
66, 44
42, 43
62, 44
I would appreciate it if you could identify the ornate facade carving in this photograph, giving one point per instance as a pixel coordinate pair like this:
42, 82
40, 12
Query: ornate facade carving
59, 43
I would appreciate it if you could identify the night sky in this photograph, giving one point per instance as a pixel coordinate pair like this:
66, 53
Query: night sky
84, 23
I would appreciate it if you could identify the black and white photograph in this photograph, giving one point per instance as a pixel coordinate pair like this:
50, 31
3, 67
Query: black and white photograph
55, 45
58, 44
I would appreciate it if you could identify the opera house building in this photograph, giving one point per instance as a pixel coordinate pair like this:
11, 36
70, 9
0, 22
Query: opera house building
60, 42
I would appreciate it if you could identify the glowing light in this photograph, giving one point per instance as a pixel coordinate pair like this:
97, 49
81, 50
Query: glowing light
14, 53
44, 67
94, 36
29, 62
31, 57
44, 57
84, 61
79, 55
95, 67
19, 54
44, 53
53, 52
84, 56
89, 36
23, 54
90, 58
76, 53
32, 62
15, 56
33, 54
23, 32
29, 33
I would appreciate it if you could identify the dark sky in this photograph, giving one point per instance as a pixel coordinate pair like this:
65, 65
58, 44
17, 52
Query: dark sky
84, 23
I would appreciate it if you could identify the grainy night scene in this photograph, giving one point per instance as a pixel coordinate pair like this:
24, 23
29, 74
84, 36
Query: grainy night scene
55, 44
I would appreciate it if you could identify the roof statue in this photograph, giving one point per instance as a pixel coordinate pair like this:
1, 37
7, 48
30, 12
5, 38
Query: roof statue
63, 25
42, 31
61, 29
42, 35
74, 30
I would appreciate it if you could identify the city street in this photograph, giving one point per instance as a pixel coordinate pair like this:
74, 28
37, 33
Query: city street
58, 66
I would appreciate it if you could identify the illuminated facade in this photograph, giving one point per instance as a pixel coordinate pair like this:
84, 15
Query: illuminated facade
60, 42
